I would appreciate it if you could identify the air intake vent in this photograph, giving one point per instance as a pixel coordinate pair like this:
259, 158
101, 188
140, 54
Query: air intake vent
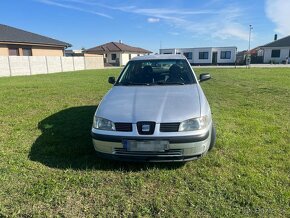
169, 127
123, 127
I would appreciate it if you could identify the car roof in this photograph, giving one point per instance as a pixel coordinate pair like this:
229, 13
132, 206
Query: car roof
159, 57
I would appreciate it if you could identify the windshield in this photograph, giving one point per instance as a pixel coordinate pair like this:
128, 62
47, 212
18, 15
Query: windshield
157, 72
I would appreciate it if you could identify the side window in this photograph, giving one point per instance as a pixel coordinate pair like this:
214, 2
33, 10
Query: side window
13, 52
275, 53
225, 54
188, 55
27, 52
113, 57
203, 55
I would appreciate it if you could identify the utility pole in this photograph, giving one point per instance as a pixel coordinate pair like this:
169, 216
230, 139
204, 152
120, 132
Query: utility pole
248, 57
250, 31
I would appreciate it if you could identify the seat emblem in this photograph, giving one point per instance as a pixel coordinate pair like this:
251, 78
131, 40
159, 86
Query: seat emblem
145, 128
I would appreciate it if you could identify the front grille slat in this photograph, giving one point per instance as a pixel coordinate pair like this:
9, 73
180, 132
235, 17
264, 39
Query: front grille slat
169, 127
171, 152
124, 127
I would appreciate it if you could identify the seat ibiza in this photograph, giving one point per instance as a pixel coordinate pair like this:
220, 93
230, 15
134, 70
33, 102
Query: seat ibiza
156, 111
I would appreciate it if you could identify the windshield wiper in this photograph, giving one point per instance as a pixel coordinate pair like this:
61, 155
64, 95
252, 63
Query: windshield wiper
133, 84
170, 83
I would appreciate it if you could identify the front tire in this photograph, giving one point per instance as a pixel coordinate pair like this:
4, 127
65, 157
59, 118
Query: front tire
213, 137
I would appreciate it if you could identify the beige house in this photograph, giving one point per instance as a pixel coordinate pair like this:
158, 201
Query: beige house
117, 53
17, 42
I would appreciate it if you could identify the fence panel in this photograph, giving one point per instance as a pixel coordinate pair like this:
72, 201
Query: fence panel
32, 65
67, 64
79, 63
19, 65
4, 66
38, 65
54, 64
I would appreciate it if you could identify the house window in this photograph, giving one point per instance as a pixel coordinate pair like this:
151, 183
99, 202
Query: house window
27, 52
13, 52
203, 55
275, 53
113, 57
188, 55
225, 54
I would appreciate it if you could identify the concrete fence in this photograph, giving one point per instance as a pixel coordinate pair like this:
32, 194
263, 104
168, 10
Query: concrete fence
32, 65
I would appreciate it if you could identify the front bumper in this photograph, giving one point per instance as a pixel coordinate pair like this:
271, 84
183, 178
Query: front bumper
181, 148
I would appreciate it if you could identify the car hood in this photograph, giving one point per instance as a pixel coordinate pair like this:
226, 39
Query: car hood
174, 103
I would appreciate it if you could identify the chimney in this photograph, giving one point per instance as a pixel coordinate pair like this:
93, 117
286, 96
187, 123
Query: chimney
120, 41
275, 37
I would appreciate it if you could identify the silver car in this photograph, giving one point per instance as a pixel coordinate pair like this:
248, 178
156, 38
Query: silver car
156, 111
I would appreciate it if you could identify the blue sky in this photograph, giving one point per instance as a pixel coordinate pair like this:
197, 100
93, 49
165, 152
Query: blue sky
149, 23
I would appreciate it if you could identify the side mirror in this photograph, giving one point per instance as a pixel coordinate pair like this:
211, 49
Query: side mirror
111, 80
204, 77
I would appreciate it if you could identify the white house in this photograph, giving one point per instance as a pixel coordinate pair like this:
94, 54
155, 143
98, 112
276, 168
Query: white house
117, 53
206, 55
277, 51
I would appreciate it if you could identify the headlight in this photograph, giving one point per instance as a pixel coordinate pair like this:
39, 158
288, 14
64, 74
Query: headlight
194, 124
103, 124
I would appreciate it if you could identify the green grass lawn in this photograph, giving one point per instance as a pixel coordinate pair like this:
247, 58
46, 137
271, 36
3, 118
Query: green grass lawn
48, 166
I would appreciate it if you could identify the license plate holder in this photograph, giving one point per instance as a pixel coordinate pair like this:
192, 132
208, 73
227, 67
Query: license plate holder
146, 145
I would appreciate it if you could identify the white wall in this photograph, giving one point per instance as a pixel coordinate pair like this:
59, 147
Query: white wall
4, 66
38, 65
233, 51
67, 64
168, 51
196, 59
195, 54
19, 65
109, 57
31, 65
123, 57
184, 50
79, 63
54, 64
284, 52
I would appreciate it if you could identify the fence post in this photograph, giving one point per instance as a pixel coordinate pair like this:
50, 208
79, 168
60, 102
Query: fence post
73, 59
29, 65
85, 63
61, 63
10, 71
46, 64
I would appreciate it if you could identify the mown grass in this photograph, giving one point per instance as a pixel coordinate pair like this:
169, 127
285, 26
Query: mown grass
48, 166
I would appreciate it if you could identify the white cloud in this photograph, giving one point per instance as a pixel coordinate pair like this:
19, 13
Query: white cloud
278, 12
222, 23
49, 2
232, 30
153, 20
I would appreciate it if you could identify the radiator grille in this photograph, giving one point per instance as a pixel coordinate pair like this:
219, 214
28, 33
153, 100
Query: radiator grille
123, 127
171, 152
169, 127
